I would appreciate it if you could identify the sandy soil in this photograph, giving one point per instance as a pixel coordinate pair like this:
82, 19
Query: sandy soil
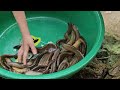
112, 21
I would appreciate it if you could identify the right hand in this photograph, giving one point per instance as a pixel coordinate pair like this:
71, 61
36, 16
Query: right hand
23, 51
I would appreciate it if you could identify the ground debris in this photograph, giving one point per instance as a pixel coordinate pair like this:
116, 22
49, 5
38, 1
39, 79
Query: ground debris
106, 64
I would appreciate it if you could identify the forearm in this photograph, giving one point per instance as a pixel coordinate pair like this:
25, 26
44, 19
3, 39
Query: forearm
21, 20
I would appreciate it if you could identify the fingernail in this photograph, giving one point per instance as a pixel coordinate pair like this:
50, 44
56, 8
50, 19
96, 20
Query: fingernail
24, 63
19, 61
34, 52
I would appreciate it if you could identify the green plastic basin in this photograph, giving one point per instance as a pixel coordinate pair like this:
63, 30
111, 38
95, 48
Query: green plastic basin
51, 26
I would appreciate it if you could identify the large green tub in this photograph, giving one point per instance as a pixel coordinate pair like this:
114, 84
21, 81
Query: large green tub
51, 26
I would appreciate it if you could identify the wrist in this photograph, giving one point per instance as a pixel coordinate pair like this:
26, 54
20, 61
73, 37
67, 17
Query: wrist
25, 32
26, 35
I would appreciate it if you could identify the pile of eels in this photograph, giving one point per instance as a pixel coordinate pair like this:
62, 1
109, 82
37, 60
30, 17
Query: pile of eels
51, 57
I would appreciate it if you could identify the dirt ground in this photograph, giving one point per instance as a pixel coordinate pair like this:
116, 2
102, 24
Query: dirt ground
112, 21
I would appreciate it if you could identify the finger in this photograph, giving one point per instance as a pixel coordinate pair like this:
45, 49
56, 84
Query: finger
20, 54
33, 49
25, 55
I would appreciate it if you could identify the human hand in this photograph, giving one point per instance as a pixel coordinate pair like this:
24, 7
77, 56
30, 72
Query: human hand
27, 44
27, 39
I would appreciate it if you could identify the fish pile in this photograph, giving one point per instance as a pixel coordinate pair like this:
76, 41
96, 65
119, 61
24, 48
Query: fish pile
51, 57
